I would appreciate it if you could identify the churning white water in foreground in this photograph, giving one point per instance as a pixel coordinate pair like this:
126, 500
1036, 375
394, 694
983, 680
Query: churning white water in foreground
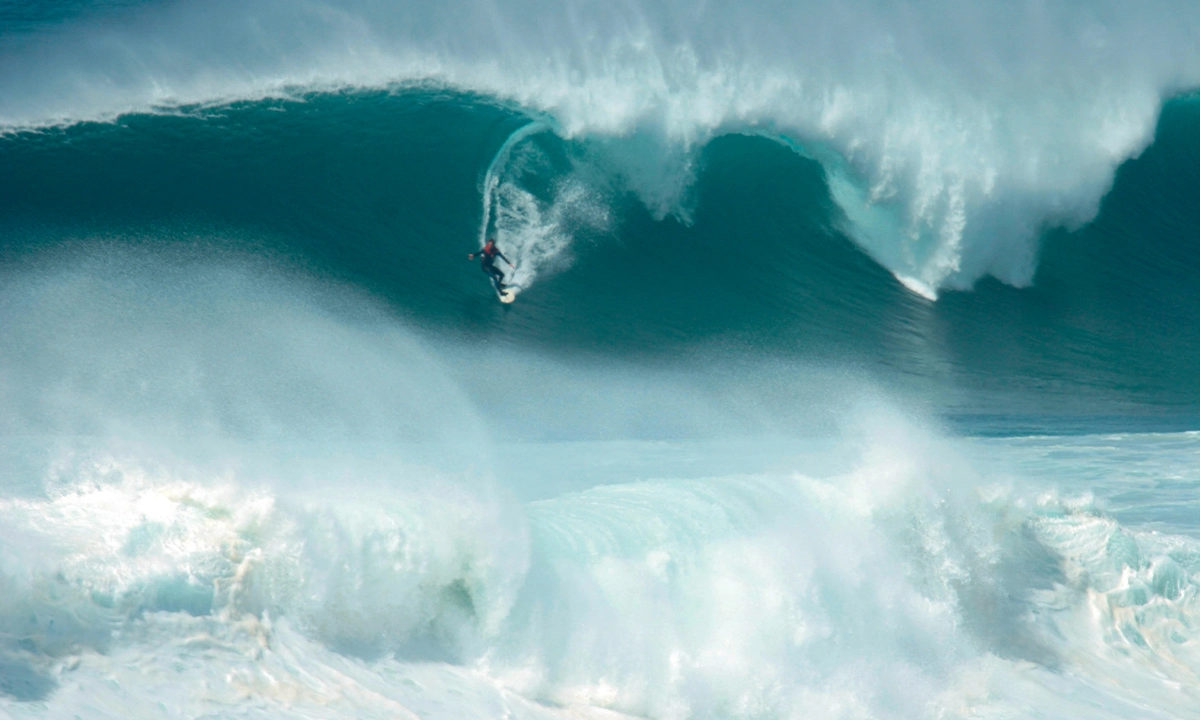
262, 496
907, 584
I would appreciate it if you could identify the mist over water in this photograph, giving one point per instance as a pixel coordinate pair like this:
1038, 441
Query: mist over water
851, 372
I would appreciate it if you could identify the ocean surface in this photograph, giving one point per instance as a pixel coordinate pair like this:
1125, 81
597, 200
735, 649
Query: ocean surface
854, 371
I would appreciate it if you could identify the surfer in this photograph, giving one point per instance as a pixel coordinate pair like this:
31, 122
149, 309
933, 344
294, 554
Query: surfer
489, 253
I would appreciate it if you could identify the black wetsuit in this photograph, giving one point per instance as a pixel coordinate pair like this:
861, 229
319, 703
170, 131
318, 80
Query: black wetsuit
489, 265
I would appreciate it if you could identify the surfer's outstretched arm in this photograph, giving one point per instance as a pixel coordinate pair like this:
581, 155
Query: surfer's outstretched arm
504, 258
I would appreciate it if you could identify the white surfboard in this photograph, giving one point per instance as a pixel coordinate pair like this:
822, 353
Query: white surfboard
507, 295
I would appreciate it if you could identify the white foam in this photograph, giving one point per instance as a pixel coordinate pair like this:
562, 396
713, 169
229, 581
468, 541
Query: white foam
536, 233
292, 574
895, 585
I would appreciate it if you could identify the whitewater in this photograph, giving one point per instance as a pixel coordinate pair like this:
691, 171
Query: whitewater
851, 374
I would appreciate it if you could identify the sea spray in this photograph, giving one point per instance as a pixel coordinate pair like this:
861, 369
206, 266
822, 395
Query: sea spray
534, 225
270, 447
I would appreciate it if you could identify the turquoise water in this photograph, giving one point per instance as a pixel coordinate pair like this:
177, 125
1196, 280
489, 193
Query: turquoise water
851, 375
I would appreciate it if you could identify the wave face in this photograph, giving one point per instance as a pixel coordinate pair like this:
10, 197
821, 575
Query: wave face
851, 372
390, 190
954, 133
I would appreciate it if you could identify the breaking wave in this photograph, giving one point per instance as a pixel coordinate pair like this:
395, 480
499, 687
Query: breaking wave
952, 134
852, 373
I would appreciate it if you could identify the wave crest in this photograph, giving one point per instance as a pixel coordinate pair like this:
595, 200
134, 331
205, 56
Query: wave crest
963, 129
